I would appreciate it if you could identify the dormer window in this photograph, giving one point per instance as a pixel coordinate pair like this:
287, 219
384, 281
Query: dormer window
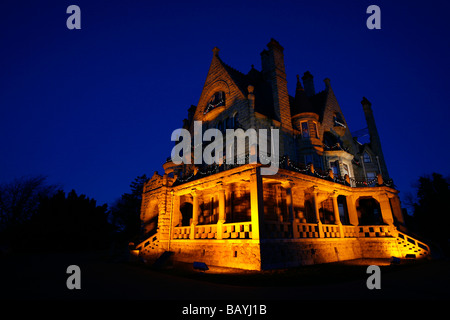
216, 100
367, 158
338, 121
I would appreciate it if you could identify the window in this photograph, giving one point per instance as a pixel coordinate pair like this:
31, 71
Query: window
338, 121
334, 165
317, 161
316, 130
371, 178
305, 129
216, 100
308, 159
367, 158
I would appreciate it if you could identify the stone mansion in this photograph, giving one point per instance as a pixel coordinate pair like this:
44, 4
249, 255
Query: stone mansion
331, 199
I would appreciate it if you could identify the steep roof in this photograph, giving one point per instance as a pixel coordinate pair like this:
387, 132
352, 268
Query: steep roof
318, 102
301, 103
262, 91
315, 103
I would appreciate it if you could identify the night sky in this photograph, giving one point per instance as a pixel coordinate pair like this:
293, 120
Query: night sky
94, 108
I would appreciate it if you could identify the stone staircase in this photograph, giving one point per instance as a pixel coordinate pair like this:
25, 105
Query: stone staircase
410, 247
148, 245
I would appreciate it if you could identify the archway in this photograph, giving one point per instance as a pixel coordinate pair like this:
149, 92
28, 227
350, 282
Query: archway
343, 210
369, 211
326, 212
310, 214
186, 213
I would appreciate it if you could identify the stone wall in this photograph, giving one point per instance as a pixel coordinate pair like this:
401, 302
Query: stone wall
243, 254
291, 253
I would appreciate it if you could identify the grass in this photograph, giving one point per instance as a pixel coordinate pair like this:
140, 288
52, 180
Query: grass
298, 276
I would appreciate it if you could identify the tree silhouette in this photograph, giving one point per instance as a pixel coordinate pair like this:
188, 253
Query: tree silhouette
125, 211
37, 216
19, 201
431, 216
74, 222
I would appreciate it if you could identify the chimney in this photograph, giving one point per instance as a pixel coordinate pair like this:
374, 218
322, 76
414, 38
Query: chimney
375, 142
273, 70
191, 112
308, 83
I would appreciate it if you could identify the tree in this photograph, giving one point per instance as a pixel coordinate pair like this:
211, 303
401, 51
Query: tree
19, 201
69, 223
431, 216
36, 215
126, 211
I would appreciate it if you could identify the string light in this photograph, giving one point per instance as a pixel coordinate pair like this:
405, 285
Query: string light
213, 168
212, 106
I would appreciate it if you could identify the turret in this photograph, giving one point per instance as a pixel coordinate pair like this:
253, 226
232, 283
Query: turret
375, 142
274, 72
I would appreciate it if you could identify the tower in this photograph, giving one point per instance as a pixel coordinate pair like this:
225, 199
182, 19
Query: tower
274, 71
375, 142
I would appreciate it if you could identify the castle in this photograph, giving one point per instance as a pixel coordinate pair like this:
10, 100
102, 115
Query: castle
331, 199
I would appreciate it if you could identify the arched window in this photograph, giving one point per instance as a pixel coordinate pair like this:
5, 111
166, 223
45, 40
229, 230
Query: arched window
367, 158
216, 100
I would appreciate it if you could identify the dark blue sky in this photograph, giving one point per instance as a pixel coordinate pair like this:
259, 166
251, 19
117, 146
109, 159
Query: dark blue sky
94, 108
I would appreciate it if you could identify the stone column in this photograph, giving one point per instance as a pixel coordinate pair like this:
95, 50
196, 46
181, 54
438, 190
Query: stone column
316, 210
176, 214
289, 203
256, 204
385, 207
195, 208
352, 212
278, 200
397, 210
337, 218
222, 214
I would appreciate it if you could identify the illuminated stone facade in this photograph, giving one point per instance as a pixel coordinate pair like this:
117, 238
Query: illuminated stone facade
331, 199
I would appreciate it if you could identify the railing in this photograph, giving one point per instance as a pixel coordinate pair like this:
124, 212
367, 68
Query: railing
181, 232
237, 230
276, 229
306, 230
150, 243
373, 231
207, 231
331, 231
287, 230
411, 248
